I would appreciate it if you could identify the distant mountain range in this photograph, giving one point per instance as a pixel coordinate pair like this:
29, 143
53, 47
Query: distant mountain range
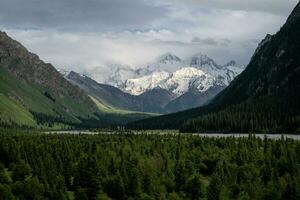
167, 85
263, 98
174, 74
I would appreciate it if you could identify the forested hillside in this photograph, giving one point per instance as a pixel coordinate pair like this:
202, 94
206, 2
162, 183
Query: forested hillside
128, 166
264, 98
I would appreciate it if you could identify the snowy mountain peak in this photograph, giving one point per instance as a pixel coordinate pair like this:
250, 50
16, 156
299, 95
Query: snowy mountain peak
138, 86
168, 58
188, 72
184, 79
166, 62
204, 63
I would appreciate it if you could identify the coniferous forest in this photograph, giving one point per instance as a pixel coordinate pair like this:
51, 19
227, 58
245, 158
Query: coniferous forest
146, 166
253, 116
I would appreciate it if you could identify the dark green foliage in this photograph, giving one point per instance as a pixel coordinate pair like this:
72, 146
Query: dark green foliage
263, 115
194, 187
48, 95
49, 120
126, 166
20, 170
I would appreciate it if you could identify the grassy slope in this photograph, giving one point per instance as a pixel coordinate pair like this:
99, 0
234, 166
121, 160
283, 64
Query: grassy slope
17, 98
106, 108
12, 111
119, 116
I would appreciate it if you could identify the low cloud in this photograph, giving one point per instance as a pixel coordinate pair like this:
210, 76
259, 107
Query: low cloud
275, 7
211, 41
79, 15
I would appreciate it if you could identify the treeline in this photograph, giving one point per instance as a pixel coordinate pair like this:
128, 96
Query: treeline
9, 124
262, 115
257, 115
48, 120
99, 120
127, 166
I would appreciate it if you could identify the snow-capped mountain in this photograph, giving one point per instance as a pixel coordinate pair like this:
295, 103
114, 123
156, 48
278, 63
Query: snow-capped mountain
118, 74
198, 73
177, 83
223, 74
166, 62
137, 86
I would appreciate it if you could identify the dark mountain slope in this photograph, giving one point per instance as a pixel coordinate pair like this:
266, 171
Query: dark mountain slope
155, 100
193, 99
264, 98
109, 95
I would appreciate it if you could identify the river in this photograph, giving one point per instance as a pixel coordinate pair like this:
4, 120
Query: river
212, 135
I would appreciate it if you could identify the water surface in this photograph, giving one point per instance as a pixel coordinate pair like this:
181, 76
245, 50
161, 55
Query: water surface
212, 135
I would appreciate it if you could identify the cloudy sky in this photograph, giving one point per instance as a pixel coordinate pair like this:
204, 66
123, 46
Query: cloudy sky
87, 34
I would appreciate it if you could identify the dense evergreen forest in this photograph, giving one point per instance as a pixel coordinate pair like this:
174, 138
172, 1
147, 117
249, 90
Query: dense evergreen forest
146, 166
263, 115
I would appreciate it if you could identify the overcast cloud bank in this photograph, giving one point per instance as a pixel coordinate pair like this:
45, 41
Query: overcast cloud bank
82, 35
